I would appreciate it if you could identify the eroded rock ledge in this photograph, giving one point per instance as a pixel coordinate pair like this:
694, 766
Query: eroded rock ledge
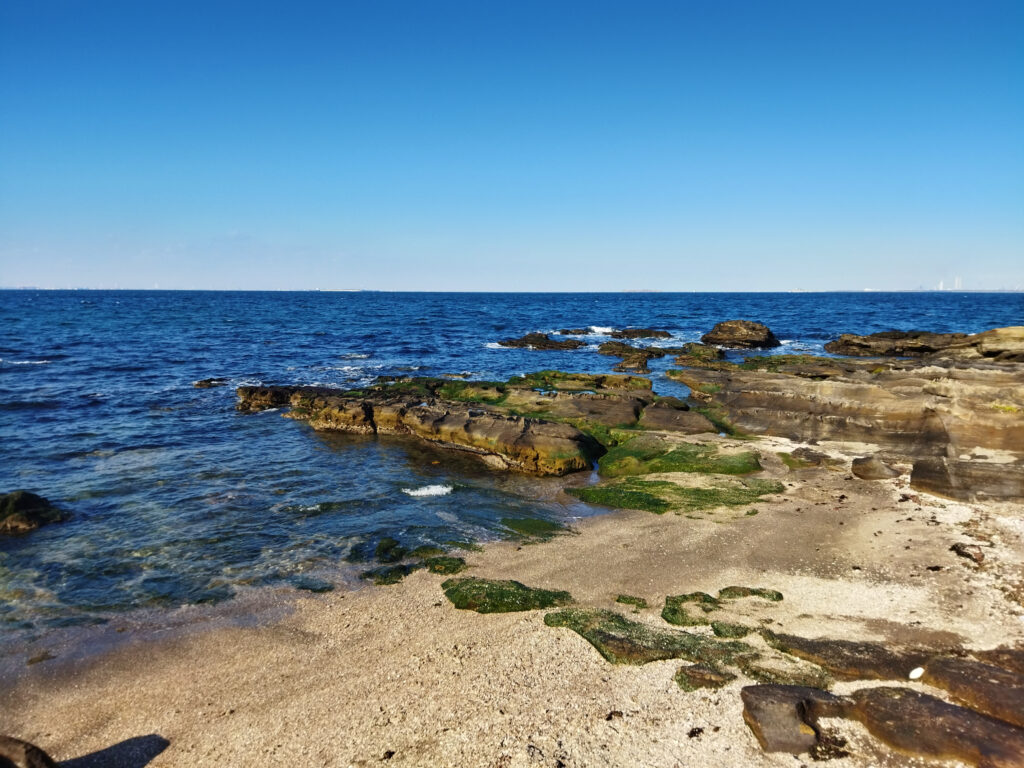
547, 423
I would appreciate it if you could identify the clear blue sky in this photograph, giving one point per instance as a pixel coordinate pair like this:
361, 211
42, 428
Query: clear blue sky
478, 145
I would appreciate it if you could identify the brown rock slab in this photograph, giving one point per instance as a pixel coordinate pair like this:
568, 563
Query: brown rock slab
982, 687
969, 552
873, 468
892, 344
640, 333
968, 480
690, 677
784, 718
1000, 345
925, 726
743, 334
15, 753
1007, 658
851, 660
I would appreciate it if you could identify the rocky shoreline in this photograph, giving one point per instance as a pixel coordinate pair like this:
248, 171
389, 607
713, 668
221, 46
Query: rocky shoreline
813, 555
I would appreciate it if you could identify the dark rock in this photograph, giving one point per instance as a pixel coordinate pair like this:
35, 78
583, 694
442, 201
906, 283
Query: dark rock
743, 334
873, 468
694, 676
892, 344
1003, 657
784, 718
15, 753
640, 333
694, 355
851, 660
492, 596
670, 418
22, 512
982, 687
924, 726
574, 331
541, 341
634, 359
969, 551
968, 480
208, 383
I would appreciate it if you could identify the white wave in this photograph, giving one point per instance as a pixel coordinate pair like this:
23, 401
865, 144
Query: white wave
787, 342
493, 345
269, 410
354, 356
25, 362
429, 490
601, 330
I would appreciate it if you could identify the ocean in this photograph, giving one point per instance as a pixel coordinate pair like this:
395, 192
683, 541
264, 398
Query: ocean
175, 499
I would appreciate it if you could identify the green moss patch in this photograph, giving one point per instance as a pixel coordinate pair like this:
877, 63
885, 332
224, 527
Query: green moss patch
689, 610
468, 546
660, 496
577, 382
733, 593
636, 602
390, 574
622, 641
696, 676
794, 462
446, 565
647, 454
427, 551
774, 363
490, 596
389, 550
725, 629
532, 527
779, 670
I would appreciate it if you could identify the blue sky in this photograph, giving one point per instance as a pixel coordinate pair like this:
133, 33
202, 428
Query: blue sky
512, 145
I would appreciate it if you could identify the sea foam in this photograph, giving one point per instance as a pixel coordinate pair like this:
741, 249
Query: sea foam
429, 490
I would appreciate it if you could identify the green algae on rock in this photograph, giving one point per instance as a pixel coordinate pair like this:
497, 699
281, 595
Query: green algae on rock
734, 593
647, 454
534, 528
726, 629
621, 641
660, 496
675, 610
389, 550
445, 564
494, 596
693, 677
22, 512
636, 602
390, 574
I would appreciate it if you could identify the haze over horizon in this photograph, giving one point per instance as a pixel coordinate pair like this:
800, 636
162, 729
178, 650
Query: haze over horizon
512, 147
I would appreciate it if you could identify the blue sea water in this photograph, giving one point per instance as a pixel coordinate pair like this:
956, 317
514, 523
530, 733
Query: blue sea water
174, 498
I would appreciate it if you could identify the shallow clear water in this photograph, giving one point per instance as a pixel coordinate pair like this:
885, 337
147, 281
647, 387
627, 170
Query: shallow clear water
175, 498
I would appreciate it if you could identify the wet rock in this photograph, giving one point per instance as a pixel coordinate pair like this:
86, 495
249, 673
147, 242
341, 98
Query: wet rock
784, 718
968, 480
445, 564
744, 334
982, 687
574, 331
873, 468
622, 641
15, 753
23, 512
208, 383
694, 676
541, 341
969, 551
492, 596
634, 359
925, 726
850, 660
699, 355
640, 333
667, 417
690, 609
892, 344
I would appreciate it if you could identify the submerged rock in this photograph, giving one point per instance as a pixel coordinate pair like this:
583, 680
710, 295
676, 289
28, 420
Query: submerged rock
541, 341
873, 468
892, 344
208, 383
23, 512
742, 334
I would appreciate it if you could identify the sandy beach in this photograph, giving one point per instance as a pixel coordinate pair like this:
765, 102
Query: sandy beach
398, 675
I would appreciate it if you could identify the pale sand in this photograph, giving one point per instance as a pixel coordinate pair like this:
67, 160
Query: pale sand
345, 678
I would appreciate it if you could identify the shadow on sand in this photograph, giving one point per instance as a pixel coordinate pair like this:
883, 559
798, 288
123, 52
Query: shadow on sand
130, 753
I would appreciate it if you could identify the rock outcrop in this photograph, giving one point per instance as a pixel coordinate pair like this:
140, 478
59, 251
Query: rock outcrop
892, 344
1001, 345
873, 468
23, 512
741, 334
547, 423
959, 423
640, 333
541, 341
634, 359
